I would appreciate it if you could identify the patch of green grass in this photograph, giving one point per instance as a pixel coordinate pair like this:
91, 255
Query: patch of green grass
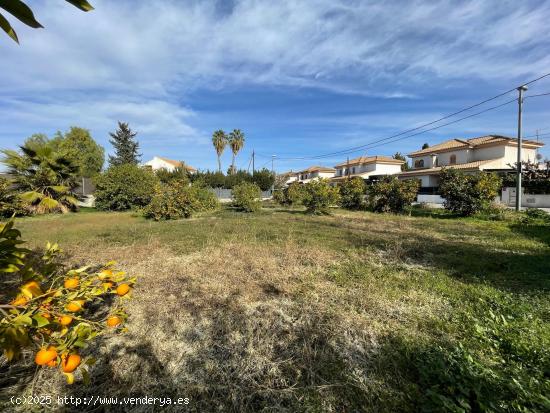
284, 311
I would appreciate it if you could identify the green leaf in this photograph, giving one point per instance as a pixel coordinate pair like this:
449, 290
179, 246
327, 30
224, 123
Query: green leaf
5, 25
48, 203
81, 4
30, 196
41, 321
21, 11
23, 319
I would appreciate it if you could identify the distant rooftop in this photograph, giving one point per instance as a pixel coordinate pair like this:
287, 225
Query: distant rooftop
472, 143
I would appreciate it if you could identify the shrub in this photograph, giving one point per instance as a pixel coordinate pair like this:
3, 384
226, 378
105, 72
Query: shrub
177, 200
392, 195
54, 312
246, 197
465, 194
177, 174
352, 193
10, 203
535, 216
319, 196
293, 194
125, 187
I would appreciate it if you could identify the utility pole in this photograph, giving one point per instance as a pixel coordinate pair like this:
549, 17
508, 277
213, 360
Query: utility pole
273, 171
521, 89
253, 157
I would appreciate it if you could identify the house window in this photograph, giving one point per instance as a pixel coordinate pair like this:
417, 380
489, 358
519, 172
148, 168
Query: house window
452, 159
353, 170
419, 163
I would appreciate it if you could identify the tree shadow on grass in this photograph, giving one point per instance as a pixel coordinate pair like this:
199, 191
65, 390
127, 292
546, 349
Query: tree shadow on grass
540, 232
474, 263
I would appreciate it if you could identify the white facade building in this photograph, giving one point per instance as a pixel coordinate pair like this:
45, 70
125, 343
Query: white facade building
486, 153
367, 166
163, 163
315, 172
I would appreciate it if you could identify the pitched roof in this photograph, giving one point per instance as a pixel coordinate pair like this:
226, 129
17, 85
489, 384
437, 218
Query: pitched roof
177, 163
429, 171
371, 159
472, 143
318, 169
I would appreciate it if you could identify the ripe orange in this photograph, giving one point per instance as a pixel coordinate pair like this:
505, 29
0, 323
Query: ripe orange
65, 320
113, 321
75, 306
46, 315
71, 283
19, 301
52, 363
44, 356
122, 289
70, 363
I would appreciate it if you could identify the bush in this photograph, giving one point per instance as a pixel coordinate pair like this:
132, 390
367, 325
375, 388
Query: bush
392, 195
246, 197
125, 187
177, 200
54, 312
319, 196
177, 174
465, 194
293, 194
352, 193
535, 216
10, 203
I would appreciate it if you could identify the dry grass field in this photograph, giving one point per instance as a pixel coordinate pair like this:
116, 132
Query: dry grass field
280, 311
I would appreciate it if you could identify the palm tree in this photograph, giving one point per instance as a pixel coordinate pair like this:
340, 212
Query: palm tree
44, 179
236, 141
219, 140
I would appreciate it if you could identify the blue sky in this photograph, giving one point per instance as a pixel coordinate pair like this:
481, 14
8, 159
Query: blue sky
300, 78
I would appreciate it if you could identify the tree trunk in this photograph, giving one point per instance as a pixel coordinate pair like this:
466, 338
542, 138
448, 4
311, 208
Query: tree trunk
219, 164
233, 164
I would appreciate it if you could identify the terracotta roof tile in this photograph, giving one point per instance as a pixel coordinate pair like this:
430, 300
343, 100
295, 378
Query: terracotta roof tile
472, 143
318, 169
371, 159
177, 163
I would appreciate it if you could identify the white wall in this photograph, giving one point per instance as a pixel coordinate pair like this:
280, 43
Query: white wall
157, 163
462, 156
490, 152
386, 169
527, 200
430, 199
366, 170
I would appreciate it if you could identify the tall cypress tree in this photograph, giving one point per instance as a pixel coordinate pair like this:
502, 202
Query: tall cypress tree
126, 147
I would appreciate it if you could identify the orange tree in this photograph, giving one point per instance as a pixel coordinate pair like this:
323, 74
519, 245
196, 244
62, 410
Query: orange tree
53, 312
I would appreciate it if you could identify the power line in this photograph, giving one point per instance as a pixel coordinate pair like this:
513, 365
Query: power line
448, 123
536, 96
365, 146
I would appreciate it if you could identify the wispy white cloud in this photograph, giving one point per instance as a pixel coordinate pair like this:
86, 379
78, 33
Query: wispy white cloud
138, 60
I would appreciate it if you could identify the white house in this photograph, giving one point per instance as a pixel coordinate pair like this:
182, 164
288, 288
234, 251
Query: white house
163, 163
315, 172
367, 166
289, 177
485, 153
